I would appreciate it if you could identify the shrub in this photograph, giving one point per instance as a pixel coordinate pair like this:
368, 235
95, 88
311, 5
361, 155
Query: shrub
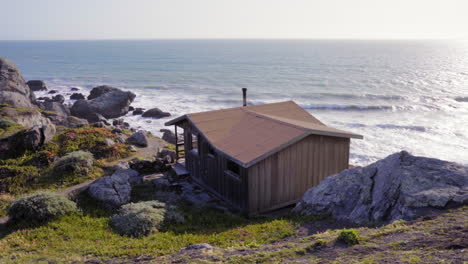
78, 163
14, 178
349, 236
5, 200
72, 165
143, 218
317, 245
40, 207
91, 139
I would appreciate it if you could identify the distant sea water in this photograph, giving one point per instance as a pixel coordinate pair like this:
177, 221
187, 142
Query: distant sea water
410, 95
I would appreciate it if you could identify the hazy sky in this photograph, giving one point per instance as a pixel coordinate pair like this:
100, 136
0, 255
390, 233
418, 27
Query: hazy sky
144, 19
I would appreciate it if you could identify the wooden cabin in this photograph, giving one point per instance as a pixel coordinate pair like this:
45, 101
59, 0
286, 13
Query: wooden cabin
261, 157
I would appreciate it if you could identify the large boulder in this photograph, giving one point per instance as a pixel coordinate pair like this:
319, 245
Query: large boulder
168, 136
13, 89
112, 191
138, 139
112, 104
57, 107
77, 96
37, 85
100, 90
155, 113
30, 118
400, 186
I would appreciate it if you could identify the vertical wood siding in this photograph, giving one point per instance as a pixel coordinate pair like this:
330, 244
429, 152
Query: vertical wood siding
282, 178
209, 171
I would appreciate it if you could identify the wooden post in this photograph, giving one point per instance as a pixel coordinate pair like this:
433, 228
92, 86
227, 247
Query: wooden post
176, 144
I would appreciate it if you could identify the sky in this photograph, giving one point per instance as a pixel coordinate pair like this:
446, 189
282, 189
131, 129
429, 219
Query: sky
225, 19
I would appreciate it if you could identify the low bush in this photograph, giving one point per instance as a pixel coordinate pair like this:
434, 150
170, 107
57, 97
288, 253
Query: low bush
14, 178
317, 245
349, 236
40, 207
143, 218
74, 164
5, 200
90, 139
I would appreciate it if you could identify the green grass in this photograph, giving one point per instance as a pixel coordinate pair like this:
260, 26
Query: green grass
87, 234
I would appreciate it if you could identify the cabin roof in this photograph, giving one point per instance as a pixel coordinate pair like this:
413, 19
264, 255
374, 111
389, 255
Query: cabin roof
251, 133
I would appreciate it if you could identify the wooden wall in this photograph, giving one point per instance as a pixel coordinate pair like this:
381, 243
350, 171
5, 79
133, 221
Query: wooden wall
282, 178
209, 171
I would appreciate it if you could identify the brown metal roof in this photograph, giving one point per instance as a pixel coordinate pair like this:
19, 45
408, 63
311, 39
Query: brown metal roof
249, 134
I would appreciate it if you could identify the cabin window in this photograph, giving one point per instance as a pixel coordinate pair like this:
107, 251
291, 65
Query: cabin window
233, 167
211, 152
194, 145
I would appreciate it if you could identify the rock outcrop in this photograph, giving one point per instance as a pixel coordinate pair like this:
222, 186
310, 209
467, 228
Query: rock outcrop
30, 119
138, 139
155, 113
77, 96
37, 85
168, 136
13, 89
112, 191
400, 186
100, 90
112, 104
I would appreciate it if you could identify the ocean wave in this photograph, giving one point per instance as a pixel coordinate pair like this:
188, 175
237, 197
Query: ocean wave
365, 96
390, 126
462, 99
350, 107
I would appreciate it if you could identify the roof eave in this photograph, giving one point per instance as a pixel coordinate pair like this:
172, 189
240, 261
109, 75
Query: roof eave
175, 120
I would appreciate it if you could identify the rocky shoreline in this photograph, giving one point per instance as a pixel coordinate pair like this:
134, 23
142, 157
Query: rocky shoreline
103, 107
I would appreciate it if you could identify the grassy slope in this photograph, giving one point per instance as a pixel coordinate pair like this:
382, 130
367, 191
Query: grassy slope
86, 235
441, 239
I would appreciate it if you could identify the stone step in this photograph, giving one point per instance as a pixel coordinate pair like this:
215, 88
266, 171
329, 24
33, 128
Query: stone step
180, 169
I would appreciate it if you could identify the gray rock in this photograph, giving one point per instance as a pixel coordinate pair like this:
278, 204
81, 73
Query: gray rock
132, 149
201, 246
121, 165
112, 104
73, 122
168, 136
100, 90
400, 186
133, 176
138, 111
155, 113
113, 191
37, 85
109, 142
167, 152
138, 139
56, 107
161, 184
52, 92
30, 118
74, 89
13, 89
77, 96
121, 139
58, 98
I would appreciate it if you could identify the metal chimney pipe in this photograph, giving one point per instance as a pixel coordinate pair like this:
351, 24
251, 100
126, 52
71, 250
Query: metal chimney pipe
244, 96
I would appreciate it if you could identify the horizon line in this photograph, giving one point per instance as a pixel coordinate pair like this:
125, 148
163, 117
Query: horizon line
146, 39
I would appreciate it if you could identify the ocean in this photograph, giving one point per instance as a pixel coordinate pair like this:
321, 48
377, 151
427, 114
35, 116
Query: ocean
400, 95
